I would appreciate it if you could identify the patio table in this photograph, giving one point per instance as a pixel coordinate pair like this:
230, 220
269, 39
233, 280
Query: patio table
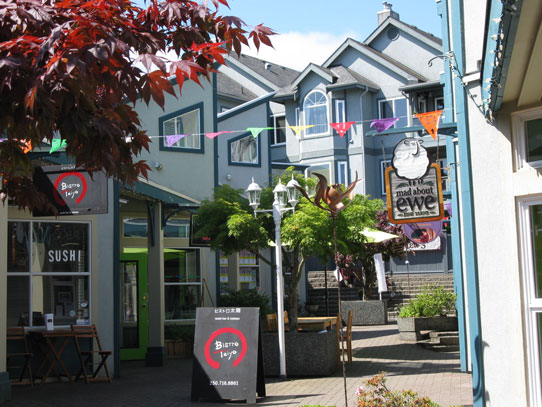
47, 341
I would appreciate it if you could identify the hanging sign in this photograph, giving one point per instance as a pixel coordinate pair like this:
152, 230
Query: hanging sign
228, 364
413, 185
71, 190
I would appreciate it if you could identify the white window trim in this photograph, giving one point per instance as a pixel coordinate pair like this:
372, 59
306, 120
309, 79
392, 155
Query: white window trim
329, 165
342, 171
274, 137
532, 305
381, 101
327, 114
520, 145
186, 283
342, 117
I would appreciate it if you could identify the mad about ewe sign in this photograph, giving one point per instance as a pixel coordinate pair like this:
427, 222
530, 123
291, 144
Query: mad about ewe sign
413, 185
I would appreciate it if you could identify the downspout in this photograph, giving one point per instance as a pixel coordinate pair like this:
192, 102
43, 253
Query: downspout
467, 204
451, 142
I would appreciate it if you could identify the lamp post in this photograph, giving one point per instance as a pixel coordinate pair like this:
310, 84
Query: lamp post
282, 195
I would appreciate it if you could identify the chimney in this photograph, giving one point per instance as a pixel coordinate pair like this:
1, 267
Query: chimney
387, 12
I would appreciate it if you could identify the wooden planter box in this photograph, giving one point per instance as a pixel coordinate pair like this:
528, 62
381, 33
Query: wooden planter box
410, 328
179, 348
307, 353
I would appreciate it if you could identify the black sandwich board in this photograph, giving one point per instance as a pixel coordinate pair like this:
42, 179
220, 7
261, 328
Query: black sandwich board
228, 361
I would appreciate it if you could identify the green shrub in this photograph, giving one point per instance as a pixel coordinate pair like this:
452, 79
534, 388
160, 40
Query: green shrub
179, 332
246, 298
377, 394
432, 301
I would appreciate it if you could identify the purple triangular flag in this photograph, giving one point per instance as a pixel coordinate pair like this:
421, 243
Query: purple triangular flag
383, 124
170, 140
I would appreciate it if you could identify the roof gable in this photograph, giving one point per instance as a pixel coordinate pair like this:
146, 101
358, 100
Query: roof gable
423, 36
323, 72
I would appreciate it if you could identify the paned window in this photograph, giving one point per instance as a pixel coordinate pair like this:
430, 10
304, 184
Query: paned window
279, 130
341, 173
530, 217
340, 111
315, 110
527, 126
185, 123
137, 227
389, 108
182, 281
48, 273
244, 150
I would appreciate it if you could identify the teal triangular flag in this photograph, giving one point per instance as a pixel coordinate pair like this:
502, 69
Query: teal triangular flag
257, 130
57, 144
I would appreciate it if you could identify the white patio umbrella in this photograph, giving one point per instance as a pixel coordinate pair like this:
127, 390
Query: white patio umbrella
377, 236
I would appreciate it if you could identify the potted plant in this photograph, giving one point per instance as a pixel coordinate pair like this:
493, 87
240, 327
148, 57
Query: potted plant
433, 309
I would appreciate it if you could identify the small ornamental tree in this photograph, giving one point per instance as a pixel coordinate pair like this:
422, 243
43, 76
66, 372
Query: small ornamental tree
230, 223
72, 69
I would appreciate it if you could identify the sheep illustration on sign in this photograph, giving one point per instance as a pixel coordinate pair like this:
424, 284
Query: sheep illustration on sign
413, 184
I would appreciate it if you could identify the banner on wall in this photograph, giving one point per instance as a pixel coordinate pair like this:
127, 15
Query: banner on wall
422, 232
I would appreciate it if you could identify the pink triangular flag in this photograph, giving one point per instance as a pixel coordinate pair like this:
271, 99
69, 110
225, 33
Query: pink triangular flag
383, 124
213, 135
341, 127
170, 140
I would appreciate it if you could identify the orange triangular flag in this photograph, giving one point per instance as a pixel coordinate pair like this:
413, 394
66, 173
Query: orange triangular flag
27, 146
430, 121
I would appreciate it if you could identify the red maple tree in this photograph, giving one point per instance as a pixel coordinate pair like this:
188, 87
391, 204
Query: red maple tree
72, 69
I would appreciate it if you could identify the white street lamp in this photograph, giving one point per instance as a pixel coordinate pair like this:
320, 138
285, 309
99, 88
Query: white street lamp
282, 195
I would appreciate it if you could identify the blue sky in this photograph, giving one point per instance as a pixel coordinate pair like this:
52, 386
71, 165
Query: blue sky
310, 30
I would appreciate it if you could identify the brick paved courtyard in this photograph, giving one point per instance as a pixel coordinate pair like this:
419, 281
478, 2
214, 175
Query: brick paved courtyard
376, 349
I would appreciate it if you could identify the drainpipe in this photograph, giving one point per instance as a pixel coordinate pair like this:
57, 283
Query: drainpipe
467, 206
455, 221
363, 137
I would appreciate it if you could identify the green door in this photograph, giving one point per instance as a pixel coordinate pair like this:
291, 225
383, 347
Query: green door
134, 314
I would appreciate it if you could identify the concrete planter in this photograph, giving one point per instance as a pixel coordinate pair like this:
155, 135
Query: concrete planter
410, 328
365, 312
307, 353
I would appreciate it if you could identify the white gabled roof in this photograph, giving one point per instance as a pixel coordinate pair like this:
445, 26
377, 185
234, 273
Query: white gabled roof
376, 56
425, 37
318, 70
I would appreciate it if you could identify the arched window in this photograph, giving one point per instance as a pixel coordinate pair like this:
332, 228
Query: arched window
315, 108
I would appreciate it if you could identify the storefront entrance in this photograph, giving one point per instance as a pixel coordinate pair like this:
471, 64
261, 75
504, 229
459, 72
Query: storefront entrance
134, 323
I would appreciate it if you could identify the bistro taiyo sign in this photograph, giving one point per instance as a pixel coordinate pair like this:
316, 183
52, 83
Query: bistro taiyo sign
413, 185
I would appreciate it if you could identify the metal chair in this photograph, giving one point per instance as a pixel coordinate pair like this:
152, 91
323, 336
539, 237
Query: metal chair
17, 334
89, 331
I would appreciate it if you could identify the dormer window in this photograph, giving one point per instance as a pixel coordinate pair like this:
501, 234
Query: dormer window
315, 109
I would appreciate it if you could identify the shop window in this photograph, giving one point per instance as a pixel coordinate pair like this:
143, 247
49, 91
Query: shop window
182, 278
137, 227
186, 122
315, 110
224, 278
134, 227
530, 217
56, 281
249, 270
527, 127
244, 150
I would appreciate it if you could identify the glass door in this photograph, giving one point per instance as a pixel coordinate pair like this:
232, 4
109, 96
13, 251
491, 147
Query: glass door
133, 306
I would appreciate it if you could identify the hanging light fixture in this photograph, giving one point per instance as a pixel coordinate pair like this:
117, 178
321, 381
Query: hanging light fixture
293, 192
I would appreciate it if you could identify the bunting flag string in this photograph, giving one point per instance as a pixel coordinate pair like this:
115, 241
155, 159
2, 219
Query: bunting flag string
383, 124
257, 130
430, 121
57, 144
299, 129
218, 133
172, 139
342, 127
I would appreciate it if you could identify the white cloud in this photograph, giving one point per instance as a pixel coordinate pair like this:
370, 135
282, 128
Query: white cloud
296, 50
